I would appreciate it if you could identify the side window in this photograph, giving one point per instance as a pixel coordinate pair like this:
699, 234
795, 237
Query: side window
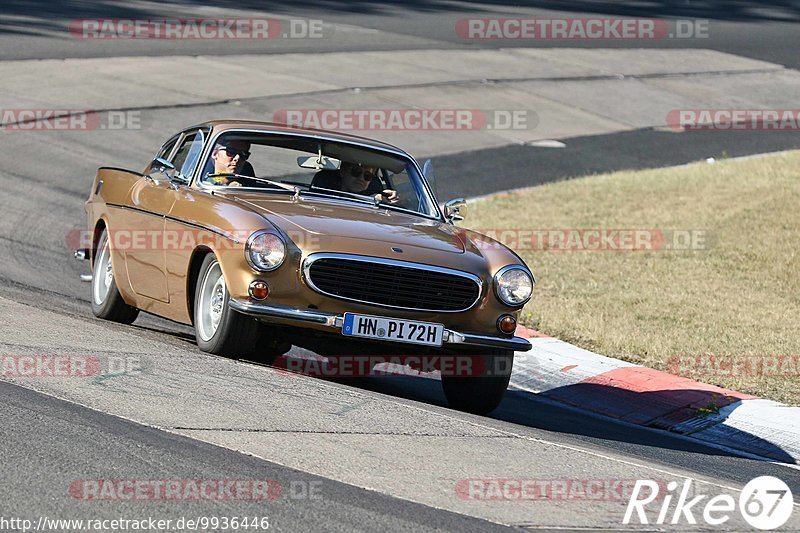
167, 148
406, 191
410, 190
188, 153
163, 153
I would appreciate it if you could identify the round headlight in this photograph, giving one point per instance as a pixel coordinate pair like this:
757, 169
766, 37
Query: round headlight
265, 251
513, 285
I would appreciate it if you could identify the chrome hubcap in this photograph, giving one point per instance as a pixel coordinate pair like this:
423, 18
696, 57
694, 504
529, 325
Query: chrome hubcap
103, 276
211, 303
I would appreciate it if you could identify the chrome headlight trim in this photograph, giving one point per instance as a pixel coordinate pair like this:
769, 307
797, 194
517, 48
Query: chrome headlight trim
248, 253
496, 283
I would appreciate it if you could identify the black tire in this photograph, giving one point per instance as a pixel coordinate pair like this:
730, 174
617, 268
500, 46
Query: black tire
481, 395
107, 302
221, 330
270, 345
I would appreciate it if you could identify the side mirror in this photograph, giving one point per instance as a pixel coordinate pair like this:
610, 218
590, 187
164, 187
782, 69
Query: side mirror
162, 165
454, 210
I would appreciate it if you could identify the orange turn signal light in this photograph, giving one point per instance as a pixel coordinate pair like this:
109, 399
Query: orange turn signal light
507, 324
259, 290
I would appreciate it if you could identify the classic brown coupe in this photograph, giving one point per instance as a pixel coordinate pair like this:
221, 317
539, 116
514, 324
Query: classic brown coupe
263, 237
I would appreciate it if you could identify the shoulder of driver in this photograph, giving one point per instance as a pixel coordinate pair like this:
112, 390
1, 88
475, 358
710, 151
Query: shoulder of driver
375, 186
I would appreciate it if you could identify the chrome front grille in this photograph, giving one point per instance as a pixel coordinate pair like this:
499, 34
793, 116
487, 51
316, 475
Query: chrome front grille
391, 283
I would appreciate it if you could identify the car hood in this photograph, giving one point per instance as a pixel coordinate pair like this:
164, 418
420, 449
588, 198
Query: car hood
324, 222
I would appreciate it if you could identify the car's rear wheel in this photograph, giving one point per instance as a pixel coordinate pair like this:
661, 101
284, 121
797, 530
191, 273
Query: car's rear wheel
107, 302
481, 394
218, 328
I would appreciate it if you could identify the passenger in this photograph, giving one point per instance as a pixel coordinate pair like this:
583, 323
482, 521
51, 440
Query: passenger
363, 179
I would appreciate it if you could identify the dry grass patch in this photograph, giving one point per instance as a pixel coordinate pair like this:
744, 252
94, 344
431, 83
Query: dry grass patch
740, 296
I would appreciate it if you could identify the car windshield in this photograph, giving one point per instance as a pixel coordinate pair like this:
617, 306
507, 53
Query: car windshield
316, 168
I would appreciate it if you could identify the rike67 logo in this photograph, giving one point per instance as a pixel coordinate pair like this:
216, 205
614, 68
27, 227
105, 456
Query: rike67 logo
765, 503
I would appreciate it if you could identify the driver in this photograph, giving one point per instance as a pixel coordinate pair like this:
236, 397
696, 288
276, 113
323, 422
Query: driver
229, 157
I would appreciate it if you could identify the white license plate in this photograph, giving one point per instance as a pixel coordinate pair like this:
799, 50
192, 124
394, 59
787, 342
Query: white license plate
392, 329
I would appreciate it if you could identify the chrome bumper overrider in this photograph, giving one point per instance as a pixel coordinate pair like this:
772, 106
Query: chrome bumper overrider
312, 316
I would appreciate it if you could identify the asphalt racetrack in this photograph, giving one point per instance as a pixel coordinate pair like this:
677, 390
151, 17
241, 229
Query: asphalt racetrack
374, 454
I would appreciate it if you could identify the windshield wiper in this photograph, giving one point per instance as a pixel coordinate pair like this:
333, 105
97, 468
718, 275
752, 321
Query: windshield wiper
294, 189
333, 192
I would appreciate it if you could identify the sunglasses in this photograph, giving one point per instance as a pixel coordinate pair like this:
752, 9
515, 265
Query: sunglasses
359, 171
233, 152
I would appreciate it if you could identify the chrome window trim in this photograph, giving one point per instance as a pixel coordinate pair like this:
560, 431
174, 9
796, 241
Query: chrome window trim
311, 259
212, 141
177, 146
174, 139
199, 156
181, 140
503, 271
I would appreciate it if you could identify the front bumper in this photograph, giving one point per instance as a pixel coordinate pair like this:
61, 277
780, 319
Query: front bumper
298, 316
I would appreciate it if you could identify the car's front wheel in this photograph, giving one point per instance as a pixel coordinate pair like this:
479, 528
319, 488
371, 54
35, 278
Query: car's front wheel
107, 302
218, 328
481, 394
270, 345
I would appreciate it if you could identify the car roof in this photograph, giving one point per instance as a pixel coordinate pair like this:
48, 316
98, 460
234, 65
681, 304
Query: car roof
219, 126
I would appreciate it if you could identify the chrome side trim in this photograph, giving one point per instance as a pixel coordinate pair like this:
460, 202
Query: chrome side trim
313, 316
308, 261
179, 221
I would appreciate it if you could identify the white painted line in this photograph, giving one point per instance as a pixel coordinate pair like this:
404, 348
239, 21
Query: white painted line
547, 143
